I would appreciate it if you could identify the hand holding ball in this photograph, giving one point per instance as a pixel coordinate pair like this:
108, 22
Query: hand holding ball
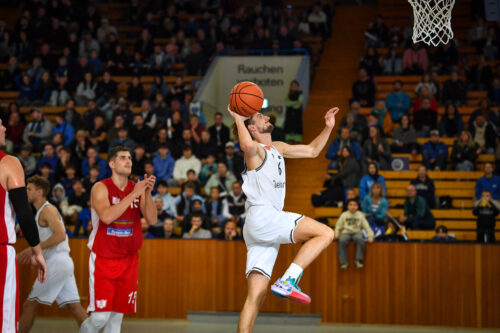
246, 98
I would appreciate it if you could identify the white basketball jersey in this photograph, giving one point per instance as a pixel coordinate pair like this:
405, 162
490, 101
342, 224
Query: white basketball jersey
45, 232
266, 185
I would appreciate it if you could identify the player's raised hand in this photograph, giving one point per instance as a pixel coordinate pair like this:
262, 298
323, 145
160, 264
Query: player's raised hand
236, 115
330, 117
150, 183
140, 186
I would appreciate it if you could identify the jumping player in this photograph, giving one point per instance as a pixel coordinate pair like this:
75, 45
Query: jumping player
267, 225
60, 285
117, 204
14, 203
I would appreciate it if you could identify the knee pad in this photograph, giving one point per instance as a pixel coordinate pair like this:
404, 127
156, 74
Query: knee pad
99, 319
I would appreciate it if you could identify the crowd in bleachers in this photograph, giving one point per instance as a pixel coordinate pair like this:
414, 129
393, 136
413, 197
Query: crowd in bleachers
423, 123
69, 63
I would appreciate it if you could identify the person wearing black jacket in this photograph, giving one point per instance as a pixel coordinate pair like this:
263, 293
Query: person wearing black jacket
233, 161
219, 133
486, 212
425, 186
464, 153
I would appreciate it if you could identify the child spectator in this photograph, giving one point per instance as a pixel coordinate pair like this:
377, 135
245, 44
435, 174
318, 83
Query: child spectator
167, 199
208, 169
392, 233
184, 201
349, 227
92, 178
442, 235
464, 153
68, 179
375, 207
486, 213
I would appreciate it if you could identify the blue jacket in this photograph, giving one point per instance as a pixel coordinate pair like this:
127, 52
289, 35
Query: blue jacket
27, 90
67, 131
164, 168
491, 184
433, 150
381, 211
392, 100
333, 148
51, 160
102, 167
366, 183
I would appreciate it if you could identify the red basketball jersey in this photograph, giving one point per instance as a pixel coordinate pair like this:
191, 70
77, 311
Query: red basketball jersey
122, 237
7, 215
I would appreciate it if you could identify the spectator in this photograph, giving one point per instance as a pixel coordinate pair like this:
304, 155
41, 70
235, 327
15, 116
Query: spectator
38, 131
83, 221
223, 180
61, 92
451, 124
384, 120
80, 145
168, 200
86, 90
427, 82
104, 31
477, 34
485, 109
434, 153
489, 182
317, 21
186, 162
234, 205
95, 63
393, 63
371, 61
206, 146
230, 232
415, 60
184, 201
404, 139
158, 86
391, 233
293, 117
61, 126
454, 90
348, 228
122, 140
425, 119
87, 44
49, 156
148, 115
479, 75
442, 235
484, 135
195, 62
195, 230
168, 229
234, 162
424, 93
446, 58
464, 153
93, 159
75, 202
375, 207
355, 122
27, 89
192, 178
138, 160
157, 60
135, 91
417, 214
140, 131
335, 148
363, 90
106, 89
209, 167
219, 132
214, 206
27, 160
425, 186
398, 101
486, 211
92, 178
376, 149
195, 127
347, 177
98, 133
163, 163
160, 213
14, 129
369, 179
494, 92
71, 116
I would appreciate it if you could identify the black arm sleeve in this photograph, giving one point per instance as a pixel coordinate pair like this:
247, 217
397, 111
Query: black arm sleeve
19, 199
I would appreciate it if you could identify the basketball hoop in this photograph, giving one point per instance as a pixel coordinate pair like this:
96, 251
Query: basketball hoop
432, 21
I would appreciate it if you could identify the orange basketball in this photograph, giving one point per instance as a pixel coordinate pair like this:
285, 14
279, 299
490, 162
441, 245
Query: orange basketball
246, 98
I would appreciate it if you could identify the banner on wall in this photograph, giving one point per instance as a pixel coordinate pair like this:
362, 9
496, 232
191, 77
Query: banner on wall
272, 73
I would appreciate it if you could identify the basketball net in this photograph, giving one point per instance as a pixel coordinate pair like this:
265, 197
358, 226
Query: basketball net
432, 21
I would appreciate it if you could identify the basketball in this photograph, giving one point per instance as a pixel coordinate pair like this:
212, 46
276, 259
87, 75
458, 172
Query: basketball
246, 98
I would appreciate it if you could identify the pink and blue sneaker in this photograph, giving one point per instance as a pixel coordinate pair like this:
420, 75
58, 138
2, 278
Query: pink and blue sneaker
290, 290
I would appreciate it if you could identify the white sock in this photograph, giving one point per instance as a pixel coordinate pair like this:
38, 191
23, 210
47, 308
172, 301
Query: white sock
293, 272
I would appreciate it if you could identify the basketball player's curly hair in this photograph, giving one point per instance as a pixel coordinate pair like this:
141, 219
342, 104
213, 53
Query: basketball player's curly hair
234, 128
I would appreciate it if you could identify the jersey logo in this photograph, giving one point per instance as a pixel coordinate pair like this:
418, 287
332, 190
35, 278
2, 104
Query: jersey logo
101, 304
115, 200
120, 232
267, 148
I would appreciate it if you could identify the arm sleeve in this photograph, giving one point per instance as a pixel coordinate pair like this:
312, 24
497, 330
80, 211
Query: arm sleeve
19, 199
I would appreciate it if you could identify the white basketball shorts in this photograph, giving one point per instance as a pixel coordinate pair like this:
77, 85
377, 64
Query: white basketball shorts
60, 285
264, 230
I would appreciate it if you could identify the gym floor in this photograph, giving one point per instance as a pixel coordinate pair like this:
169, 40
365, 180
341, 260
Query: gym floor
183, 326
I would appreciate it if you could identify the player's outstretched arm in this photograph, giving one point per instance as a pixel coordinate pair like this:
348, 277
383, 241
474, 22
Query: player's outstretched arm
109, 213
313, 149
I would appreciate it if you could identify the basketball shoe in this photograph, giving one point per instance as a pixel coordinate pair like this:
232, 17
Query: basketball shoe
290, 290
